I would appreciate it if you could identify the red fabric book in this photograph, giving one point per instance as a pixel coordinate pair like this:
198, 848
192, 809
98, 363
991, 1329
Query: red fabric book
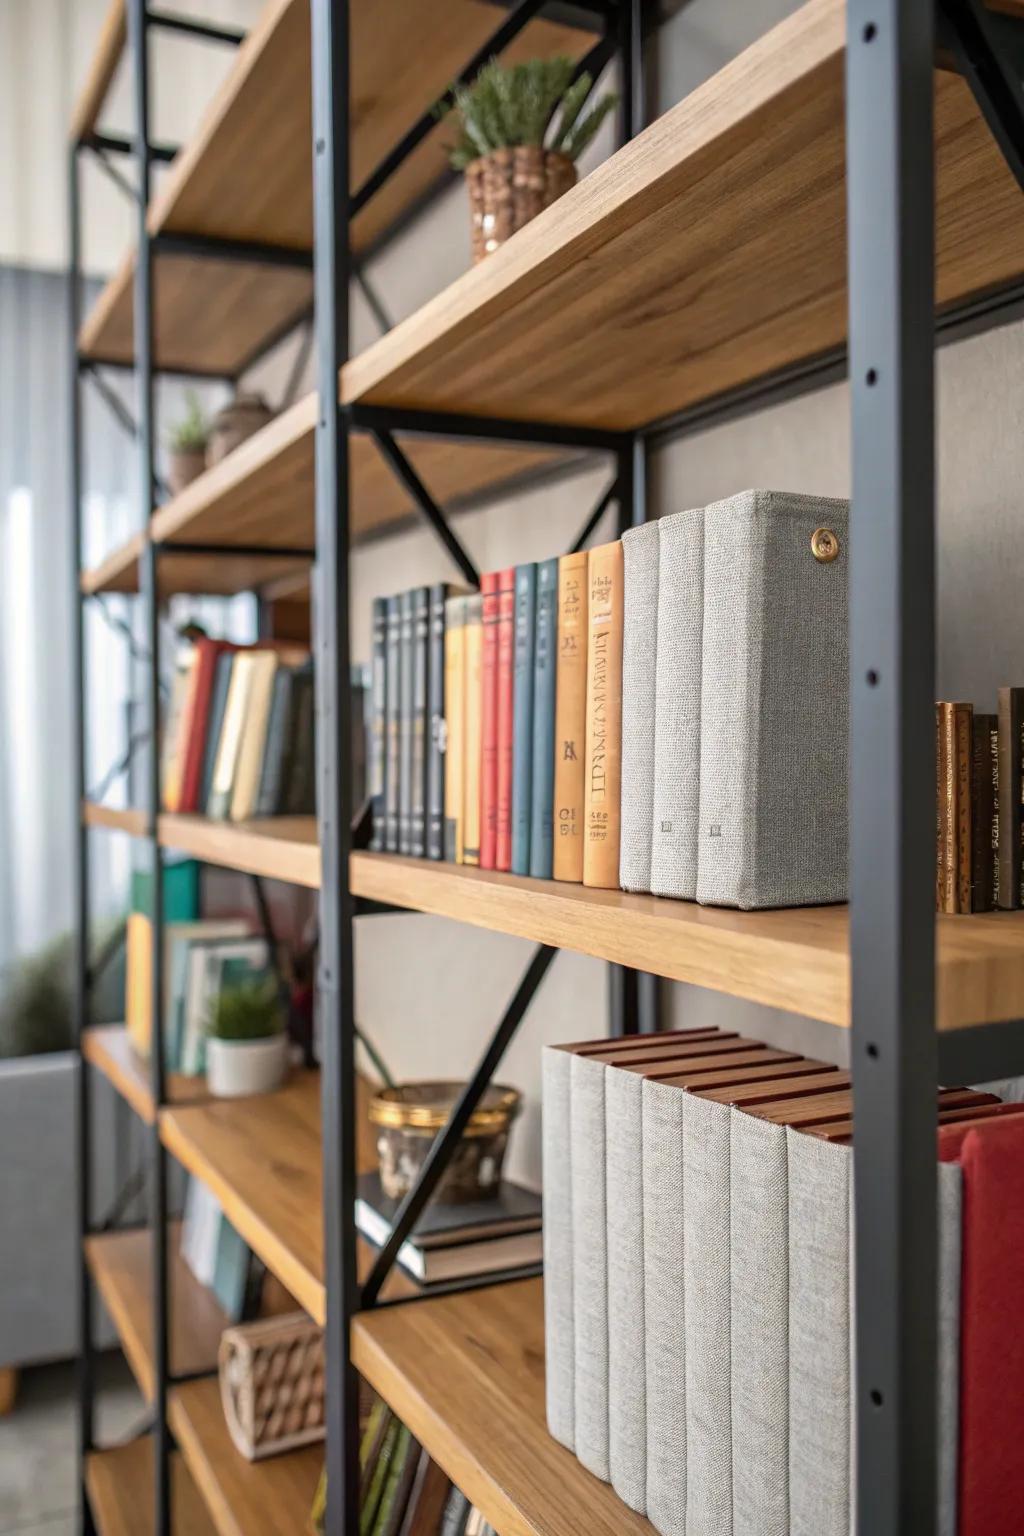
489, 723
506, 677
991, 1154
195, 725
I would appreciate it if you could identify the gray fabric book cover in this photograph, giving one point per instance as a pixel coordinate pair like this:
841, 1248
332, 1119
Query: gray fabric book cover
664, 1306
677, 724
627, 1390
759, 1286
639, 648
589, 1265
774, 700
706, 1223
557, 1227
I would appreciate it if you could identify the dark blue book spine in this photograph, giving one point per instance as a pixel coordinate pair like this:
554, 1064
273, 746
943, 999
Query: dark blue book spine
543, 769
522, 716
378, 720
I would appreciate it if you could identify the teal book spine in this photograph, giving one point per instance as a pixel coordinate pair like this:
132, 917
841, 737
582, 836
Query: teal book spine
522, 716
543, 764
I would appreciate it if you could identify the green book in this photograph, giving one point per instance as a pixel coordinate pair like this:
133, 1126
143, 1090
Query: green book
378, 1478
389, 1510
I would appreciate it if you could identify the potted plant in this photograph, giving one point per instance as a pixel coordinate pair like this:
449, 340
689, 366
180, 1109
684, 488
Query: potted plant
233, 423
517, 159
187, 445
247, 1042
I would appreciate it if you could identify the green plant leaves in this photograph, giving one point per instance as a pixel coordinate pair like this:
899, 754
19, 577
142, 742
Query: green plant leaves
516, 105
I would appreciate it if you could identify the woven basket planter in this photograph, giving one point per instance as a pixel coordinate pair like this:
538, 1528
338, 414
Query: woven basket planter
272, 1384
509, 187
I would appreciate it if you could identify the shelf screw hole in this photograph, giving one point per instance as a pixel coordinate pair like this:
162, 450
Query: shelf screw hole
319, 146
869, 32
871, 376
876, 1398
873, 1052
872, 677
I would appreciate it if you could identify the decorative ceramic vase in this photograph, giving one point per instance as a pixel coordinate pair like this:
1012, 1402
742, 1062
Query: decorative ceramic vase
184, 466
235, 1068
409, 1117
509, 187
233, 423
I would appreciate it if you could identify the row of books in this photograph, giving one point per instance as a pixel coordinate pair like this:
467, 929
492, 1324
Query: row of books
238, 740
402, 1491
453, 1241
647, 714
979, 763
699, 1311
218, 1258
202, 959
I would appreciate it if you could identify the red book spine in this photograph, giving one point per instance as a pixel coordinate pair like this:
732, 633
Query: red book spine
506, 674
489, 723
195, 726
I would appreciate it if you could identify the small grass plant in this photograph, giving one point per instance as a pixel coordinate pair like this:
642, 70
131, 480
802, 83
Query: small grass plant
537, 102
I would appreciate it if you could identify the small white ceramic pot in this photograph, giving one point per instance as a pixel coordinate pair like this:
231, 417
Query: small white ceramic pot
239, 1067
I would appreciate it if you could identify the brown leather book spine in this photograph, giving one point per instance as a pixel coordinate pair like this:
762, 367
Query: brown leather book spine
570, 717
982, 806
1011, 723
941, 850
964, 752
603, 762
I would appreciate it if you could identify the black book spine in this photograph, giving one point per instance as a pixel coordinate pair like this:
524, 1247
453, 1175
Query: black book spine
276, 750
420, 722
378, 719
983, 895
993, 747
300, 797
436, 718
1011, 721
393, 722
405, 719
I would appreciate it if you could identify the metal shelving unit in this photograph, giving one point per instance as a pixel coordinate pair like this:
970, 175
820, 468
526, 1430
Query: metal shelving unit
897, 1053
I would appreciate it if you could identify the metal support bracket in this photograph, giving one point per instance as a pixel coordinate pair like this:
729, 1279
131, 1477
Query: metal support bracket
989, 53
447, 1139
425, 503
595, 517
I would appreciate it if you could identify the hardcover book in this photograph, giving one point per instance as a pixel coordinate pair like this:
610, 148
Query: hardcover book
602, 782
570, 717
377, 766
300, 784
559, 1341
197, 724
278, 746
406, 710
254, 735
489, 584
964, 817
522, 715
1011, 757
774, 727
639, 671
437, 742
392, 718
419, 725
984, 854
473, 715
542, 776
221, 789
215, 725
505, 706
455, 708
675, 809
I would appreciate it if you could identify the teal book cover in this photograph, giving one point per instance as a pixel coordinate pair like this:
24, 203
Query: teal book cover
543, 762
522, 715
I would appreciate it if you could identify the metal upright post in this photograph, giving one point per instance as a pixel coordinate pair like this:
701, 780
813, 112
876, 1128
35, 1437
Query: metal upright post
138, 22
889, 87
331, 193
81, 846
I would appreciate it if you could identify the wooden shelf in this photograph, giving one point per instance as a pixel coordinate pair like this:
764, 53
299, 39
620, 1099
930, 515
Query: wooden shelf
246, 175
109, 1049
103, 67
121, 1265
120, 1487
707, 253
277, 847
261, 496
114, 818
466, 1374
244, 1498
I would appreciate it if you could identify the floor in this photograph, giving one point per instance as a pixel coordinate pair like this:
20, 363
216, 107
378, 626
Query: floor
38, 1444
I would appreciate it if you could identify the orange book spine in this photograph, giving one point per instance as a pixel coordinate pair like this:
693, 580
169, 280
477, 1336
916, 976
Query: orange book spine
489, 723
570, 717
505, 681
603, 761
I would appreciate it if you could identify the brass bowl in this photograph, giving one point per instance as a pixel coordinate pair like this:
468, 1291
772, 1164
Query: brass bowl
409, 1116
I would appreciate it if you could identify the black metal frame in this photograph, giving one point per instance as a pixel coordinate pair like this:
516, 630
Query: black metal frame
896, 1058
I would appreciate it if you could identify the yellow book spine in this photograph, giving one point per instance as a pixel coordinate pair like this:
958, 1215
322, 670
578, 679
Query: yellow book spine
455, 720
254, 736
473, 725
603, 761
138, 1000
570, 717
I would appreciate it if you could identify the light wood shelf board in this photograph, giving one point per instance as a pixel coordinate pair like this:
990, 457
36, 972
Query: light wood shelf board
120, 1486
796, 959
121, 1265
246, 173
708, 252
102, 69
114, 818
108, 1048
277, 847
466, 1374
244, 1498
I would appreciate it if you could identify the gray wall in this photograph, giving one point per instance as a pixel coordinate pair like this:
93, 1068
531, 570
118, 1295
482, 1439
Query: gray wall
429, 990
